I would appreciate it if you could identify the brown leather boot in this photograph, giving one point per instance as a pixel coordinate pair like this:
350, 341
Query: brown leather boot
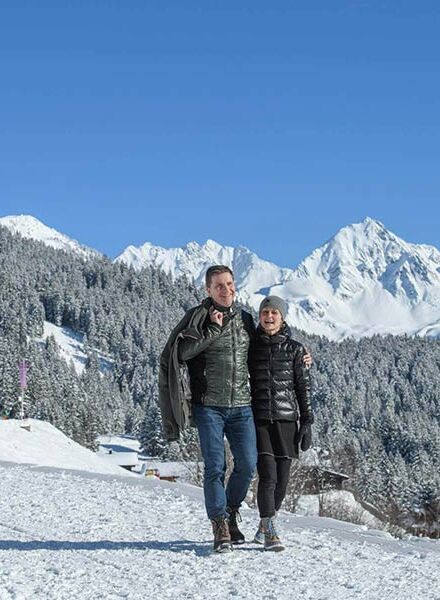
222, 537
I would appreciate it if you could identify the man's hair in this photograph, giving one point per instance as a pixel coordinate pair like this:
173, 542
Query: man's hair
216, 270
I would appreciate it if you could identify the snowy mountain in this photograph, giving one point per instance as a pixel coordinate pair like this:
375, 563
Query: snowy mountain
84, 534
251, 272
31, 228
364, 280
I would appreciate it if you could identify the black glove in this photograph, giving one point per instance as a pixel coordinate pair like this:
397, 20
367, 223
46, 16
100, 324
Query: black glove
304, 435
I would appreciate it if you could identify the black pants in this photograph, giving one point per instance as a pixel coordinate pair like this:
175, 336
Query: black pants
273, 476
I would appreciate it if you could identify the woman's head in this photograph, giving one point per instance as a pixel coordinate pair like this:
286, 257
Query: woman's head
272, 313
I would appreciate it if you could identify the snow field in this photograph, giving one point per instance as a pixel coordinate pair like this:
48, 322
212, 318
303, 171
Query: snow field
71, 535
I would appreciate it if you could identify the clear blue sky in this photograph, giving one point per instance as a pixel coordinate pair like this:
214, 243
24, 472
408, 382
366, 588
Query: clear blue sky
266, 124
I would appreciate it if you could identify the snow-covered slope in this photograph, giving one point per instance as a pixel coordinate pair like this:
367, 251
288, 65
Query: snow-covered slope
45, 445
73, 536
364, 280
71, 347
31, 228
339, 502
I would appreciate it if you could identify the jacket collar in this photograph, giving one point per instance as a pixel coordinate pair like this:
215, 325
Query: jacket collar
281, 336
230, 311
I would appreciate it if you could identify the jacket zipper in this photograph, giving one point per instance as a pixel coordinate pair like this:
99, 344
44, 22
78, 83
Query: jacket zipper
271, 381
234, 362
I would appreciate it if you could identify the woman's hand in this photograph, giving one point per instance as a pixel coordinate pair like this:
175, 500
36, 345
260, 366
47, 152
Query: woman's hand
307, 359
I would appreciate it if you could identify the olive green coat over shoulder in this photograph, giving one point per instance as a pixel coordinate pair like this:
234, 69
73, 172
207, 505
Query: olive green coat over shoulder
174, 391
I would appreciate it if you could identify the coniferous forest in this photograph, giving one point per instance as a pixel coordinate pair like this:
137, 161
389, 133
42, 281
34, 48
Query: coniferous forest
123, 314
376, 401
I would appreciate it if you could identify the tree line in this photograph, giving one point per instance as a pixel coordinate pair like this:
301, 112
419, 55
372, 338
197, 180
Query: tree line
376, 400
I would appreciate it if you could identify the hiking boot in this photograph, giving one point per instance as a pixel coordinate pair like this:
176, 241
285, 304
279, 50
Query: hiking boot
271, 537
259, 536
222, 537
236, 536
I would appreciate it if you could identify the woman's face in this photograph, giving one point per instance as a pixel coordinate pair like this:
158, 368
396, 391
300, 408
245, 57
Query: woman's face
271, 320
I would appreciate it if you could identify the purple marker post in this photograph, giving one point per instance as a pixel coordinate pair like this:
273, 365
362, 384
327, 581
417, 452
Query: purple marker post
22, 370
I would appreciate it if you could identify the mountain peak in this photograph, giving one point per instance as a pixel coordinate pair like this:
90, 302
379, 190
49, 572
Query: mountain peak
31, 228
369, 222
194, 259
369, 228
367, 237
213, 246
22, 222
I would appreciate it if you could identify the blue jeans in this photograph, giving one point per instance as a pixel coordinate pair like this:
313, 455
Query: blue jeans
237, 424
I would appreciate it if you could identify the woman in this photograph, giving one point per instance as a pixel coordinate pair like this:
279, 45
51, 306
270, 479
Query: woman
280, 385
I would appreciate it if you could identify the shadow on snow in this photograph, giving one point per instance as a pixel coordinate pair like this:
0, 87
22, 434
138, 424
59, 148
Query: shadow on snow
179, 546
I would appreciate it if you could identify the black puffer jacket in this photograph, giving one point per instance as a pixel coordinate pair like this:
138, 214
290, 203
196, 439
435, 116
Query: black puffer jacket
280, 383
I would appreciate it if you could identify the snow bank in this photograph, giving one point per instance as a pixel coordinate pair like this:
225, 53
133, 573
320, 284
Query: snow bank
45, 445
340, 504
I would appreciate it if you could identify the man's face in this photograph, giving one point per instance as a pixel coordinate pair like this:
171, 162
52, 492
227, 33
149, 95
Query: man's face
222, 289
271, 320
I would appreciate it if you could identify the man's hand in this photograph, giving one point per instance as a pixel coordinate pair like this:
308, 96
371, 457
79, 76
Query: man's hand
307, 359
216, 316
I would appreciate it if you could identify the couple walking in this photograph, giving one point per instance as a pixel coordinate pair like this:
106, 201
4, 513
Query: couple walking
224, 353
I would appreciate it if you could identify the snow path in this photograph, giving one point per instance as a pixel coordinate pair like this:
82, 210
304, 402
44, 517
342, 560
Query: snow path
72, 535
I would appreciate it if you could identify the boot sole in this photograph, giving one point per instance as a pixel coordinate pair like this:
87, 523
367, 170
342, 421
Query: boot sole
224, 548
275, 548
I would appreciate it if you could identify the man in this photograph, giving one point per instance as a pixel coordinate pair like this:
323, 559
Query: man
213, 340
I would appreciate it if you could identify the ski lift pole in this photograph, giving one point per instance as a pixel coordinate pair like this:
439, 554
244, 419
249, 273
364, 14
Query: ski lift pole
22, 370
